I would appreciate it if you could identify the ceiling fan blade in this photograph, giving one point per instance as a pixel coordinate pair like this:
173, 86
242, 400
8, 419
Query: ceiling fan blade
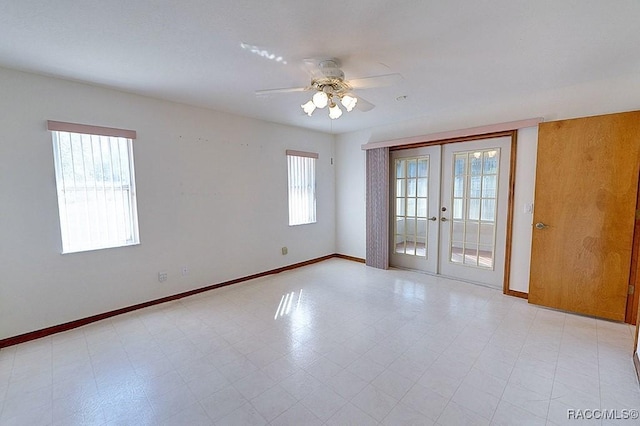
364, 105
375, 81
285, 90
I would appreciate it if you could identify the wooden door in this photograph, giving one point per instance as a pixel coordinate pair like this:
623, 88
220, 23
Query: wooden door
585, 199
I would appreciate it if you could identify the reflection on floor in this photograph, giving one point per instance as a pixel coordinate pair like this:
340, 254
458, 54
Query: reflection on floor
333, 343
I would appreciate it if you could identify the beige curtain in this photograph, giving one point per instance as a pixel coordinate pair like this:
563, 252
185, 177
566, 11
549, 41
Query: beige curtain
378, 208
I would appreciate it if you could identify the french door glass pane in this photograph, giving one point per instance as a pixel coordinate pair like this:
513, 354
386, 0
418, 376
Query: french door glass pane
411, 209
423, 167
423, 187
422, 207
474, 201
457, 208
411, 187
412, 168
400, 207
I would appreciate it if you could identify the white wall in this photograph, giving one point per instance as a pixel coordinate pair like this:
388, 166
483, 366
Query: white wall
522, 220
350, 194
211, 196
594, 98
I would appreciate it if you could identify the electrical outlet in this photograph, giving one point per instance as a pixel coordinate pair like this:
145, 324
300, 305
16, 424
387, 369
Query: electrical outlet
162, 276
285, 251
185, 271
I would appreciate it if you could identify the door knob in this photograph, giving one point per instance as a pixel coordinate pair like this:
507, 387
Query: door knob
433, 218
541, 225
443, 219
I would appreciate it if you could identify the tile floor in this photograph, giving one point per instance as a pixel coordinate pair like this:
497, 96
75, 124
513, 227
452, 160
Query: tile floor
334, 343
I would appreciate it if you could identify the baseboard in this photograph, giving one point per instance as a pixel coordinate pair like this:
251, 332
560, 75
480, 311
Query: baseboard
351, 258
10, 341
519, 294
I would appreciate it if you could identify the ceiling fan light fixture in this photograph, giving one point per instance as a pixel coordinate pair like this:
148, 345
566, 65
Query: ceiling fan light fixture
349, 102
308, 108
334, 111
320, 99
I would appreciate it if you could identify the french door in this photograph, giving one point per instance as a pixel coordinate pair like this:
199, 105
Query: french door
449, 209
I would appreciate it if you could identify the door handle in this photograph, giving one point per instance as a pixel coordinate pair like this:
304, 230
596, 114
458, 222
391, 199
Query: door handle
433, 218
443, 219
541, 225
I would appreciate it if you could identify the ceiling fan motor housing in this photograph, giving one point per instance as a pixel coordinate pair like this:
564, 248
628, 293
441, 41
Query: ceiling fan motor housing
331, 69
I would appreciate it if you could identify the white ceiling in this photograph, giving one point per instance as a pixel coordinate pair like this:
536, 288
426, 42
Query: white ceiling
453, 52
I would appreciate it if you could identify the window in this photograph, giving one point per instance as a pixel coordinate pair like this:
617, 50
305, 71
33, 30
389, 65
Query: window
302, 187
96, 186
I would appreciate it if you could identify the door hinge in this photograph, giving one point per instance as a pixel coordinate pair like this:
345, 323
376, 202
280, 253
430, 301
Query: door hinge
632, 289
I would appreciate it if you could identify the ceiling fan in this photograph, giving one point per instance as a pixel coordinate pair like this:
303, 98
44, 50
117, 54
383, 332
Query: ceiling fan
330, 88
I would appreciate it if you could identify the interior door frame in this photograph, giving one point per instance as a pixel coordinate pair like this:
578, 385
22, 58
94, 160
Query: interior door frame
632, 314
510, 201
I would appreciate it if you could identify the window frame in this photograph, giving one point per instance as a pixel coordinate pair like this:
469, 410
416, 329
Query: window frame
127, 212
310, 216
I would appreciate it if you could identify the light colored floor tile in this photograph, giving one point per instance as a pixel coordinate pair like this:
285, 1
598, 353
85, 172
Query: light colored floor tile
457, 415
401, 415
263, 356
407, 367
323, 369
393, 384
476, 400
574, 396
382, 354
366, 369
193, 415
323, 402
38, 416
167, 404
254, 384
300, 384
374, 402
355, 352
508, 414
528, 378
527, 400
223, 402
490, 384
280, 369
273, 402
207, 384
349, 414
244, 415
439, 382
297, 415
347, 384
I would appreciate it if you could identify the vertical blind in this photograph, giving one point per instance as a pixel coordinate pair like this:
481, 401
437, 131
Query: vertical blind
377, 205
302, 187
96, 191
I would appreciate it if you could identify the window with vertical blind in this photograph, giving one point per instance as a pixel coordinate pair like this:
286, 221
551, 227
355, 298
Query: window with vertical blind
301, 168
96, 186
